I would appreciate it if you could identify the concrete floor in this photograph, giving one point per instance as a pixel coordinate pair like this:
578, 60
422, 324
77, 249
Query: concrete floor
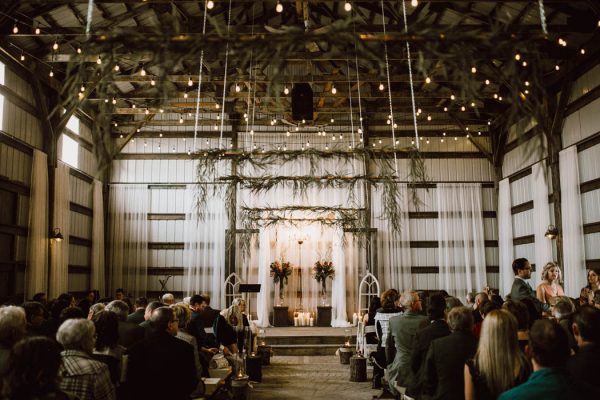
310, 377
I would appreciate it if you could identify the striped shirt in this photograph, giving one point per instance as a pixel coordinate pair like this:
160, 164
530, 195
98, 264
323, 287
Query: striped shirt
85, 378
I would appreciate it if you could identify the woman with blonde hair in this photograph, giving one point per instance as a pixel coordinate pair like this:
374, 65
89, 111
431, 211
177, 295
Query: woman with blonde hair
549, 288
499, 363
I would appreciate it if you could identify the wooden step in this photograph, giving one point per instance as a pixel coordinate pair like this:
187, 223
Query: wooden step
305, 350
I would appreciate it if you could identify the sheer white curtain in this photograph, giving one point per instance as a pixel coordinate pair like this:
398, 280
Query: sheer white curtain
97, 280
541, 218
36, 273
318, 240
339, 315
572, 222
204, 248
59, 251
264, 300
128, 269
460, 238
393, 248
505, 237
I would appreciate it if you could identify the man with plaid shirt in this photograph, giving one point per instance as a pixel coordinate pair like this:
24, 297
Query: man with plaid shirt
80, 375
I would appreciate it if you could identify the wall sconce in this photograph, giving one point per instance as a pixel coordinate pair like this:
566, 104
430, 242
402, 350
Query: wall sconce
551, 232
56, 235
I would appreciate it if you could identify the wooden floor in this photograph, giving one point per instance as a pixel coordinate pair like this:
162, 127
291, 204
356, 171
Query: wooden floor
309, 377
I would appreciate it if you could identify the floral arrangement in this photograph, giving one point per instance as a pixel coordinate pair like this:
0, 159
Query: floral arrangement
280, 272
321, 271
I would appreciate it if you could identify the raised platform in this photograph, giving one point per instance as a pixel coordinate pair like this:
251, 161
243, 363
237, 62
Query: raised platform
308, 341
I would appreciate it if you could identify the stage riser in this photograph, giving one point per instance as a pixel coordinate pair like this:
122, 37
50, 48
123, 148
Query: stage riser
299, 350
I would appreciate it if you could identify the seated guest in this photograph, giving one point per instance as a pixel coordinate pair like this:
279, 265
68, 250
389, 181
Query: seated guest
521, 289
208, 315
147, 324
162, 355
95, 310
227, 327
245, 335
586, 328
107, 348
71, 312
484, 309
436, 328
168, 299
562, 312
519, 311
137, 317
402, 331
129, 333
452, 302
480, 298
369, 319
13, 326
183, 314
50, 326
549, 351
549, 288
81, 375
446, 357
207, 346
34, 313
87, 302
41, 298
119, 294
389, 308
33, 370
499, 364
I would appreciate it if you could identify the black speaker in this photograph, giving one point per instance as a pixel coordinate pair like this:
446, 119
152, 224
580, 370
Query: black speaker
302, 102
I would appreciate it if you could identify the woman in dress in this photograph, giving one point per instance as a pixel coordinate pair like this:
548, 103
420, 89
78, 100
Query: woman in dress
587, 293
549, 288
499, 364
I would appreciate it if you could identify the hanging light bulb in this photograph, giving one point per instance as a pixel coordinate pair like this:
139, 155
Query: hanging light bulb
15, 28
237, 88
517, 56
161, 110
526, 83
428, 80
114, 101
333, 90
332, 120
217, 106
524, 63
22, 57
445, 109
79, 50
121, 136
82, 88
473, 70
190, 81
117, 68
279, 7
287, 133
487, 81
145, 143
395, 125
99, 60
55, 46
557, 67
37, 31
147, 111
452, 97
286, 90
381, 87
462, 108
348, 6
251, 131
185, 95
160, 135
582, 51
429, 118
181, 119
414, 3
152, 82
143, 72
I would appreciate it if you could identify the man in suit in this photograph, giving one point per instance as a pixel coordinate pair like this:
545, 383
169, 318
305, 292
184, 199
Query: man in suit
162, 355
480, 298
129, 333
208, 314
137, 317
586, 329
401, 337
521, 290
445, 360
549, 350
436, 328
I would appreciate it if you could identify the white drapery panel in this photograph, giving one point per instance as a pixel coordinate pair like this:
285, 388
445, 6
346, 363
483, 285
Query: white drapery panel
97, 279
572, 223
505, 237
36, 273
460, 238
59, 251
302, 290
204, 247
128, 269
264, 299
339, 315
541, 220
393, 248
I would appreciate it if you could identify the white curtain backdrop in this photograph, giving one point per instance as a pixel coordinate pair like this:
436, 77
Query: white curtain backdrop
460, 238
393, 249
128, 205
572, 223
36, 273
339, 316
505, 237
204, 248
97, 280
541, 219
282, 239
59, 251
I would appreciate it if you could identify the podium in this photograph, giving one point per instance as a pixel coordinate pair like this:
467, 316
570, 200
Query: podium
280, 316
324, 316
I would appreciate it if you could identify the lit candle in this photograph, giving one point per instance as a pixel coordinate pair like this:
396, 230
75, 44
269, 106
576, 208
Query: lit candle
312, 321
295, 321
355, 319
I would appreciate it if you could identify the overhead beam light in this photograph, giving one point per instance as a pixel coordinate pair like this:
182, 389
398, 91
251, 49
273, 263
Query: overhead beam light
414, 3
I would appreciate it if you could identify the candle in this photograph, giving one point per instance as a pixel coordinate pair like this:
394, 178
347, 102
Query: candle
312, 321
355, 319
295, 321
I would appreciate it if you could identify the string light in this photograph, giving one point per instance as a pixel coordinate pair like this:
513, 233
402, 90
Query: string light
429, 118
473, 70
381, 87
190, 81
82, 88
22, 57
517, 56
487, 81
143, 72
99, 60
185, 95
582, 51
557, 67
473, 104
332, 120
348, 6
428, 80
15, 28
55, 46
462, 108
152, 82
237, 88
37, 30
279, 7
333, 90
286, 90
445, 109
181, 119
452, 97
210, 4
147, 111
526, 83
524, 63
79, 50
117, 68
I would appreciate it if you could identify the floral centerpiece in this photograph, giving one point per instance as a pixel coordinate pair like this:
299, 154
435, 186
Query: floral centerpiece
280, 272
321, 271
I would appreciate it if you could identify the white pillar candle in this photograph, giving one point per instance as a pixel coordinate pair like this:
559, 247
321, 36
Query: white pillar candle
295, 321
312, 321
355, 319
